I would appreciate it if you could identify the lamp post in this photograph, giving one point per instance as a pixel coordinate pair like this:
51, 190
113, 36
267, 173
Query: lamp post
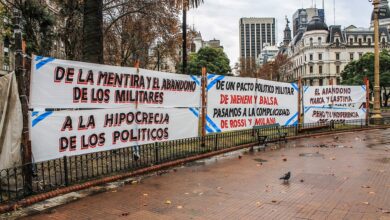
377, 117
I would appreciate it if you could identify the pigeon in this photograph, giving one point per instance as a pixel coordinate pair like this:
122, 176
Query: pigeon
286, 177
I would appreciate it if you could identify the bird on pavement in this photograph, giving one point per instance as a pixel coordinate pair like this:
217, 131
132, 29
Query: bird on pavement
286, 177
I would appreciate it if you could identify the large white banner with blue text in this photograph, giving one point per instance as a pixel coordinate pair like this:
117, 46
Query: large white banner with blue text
235, 103
67, 133
69, 84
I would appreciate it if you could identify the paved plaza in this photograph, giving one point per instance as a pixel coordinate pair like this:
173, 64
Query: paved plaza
341, 176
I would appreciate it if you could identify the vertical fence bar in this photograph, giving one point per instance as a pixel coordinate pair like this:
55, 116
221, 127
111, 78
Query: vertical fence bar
204, 96
367, 83
156, 157
66, 171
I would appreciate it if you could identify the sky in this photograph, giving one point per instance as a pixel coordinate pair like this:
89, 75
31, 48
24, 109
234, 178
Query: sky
219, 19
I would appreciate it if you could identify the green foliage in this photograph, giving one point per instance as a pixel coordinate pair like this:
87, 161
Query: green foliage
215, 60
38, 24
355, 71
5, 26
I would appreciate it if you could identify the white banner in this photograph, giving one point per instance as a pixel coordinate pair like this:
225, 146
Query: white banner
66, 133
236, 103
340, 96
324, 114
69, 84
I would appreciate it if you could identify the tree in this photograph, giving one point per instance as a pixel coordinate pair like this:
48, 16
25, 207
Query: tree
185, 5
132, 32
248, 67
355, 71
214, 59
70, 27
93, 31
37, 25
273, 70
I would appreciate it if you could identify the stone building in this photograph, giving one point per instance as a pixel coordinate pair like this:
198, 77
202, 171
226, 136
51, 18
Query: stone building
318, 53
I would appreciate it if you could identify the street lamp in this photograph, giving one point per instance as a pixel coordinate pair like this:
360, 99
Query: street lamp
377, 117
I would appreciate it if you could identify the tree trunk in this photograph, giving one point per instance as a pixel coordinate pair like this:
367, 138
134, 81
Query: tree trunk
93, 31
184, 27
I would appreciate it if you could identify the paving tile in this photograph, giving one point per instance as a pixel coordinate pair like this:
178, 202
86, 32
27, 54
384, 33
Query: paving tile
327, 183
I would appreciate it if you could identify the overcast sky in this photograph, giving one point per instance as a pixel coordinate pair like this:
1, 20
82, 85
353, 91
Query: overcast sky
220, 18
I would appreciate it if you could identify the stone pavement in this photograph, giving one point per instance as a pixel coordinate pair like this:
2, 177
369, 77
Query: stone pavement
344, 176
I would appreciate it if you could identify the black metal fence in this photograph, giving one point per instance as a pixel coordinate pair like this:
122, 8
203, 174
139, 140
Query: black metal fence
53, 174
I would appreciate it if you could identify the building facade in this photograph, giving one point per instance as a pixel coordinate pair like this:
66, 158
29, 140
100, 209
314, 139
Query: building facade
318, 53
302, 16
254, 33
198, 43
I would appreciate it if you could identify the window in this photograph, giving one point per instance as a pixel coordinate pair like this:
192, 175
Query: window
369, 41
320, 69
311, 42
321, 82
311, 56
360, 42
350, 56
337, 42
319, 41
360, 55
351, 41
311, 69
320, 56
337, 56
337, 69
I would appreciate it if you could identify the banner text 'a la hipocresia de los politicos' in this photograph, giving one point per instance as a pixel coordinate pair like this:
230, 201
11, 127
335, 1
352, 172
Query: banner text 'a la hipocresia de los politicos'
69, 84
67, 133
236, 103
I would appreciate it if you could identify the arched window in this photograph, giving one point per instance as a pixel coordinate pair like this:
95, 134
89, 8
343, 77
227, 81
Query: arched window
311, 42
337, 42
319, 40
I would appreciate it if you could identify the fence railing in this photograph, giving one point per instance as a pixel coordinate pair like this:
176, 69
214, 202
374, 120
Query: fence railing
54, 174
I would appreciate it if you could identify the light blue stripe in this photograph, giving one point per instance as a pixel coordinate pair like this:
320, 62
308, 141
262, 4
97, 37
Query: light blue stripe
295, 86
194, 111
44, 62
209, 76
41, 118
305, 88
213, 124
292, 118
34, 114
195, 79
364, 87
219, 78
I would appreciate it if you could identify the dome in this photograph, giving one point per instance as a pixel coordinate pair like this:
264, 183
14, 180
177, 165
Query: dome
384, 5
316, 24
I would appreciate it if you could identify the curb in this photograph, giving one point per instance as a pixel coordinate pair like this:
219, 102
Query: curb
44, 196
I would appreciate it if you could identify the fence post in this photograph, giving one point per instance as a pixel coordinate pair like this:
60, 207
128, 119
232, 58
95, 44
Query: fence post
204, 100
367, 83
156, 152
66, 171
216, 142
